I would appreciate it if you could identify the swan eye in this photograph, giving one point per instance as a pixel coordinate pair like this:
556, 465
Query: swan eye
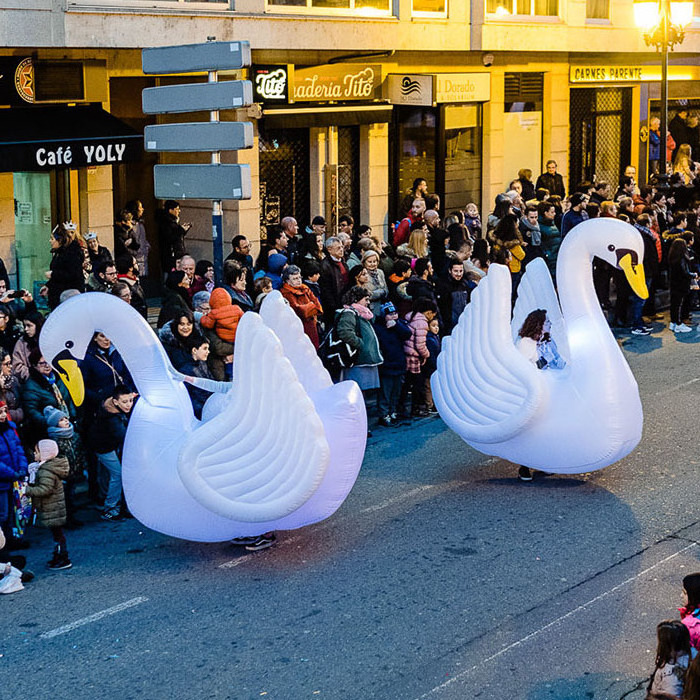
69, 343
611, 247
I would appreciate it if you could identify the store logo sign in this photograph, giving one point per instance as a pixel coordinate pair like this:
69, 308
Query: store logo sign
24, 80
270, 83
338, 82
409, 89
463, 87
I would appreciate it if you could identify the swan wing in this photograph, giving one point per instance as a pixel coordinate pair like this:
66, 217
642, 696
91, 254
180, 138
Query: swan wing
484, 388
265, 454
298, 349
536, 291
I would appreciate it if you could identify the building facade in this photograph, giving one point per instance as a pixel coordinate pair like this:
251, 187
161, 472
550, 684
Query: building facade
354, 99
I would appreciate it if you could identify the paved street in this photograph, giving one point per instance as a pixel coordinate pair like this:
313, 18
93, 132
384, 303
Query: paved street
441, 577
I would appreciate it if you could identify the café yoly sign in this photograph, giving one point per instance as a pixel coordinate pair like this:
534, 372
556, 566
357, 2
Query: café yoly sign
338, 82
87, 155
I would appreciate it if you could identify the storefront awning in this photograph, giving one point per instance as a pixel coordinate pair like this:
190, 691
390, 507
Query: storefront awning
46, 138
345, 115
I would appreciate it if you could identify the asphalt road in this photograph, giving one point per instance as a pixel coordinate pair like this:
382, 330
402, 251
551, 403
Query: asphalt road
441, 577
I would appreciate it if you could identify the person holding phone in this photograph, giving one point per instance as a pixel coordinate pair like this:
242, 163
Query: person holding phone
172, 235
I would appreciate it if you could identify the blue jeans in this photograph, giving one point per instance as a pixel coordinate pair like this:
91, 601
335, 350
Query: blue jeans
637, 306
110, 461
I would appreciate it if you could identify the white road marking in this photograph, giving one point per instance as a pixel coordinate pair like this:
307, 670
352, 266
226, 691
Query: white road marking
397, 499
539, 631
93, 618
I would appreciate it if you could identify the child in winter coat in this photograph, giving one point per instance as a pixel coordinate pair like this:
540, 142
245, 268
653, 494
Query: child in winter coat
434, 345
472, 220
690, 612
392, 332
417, 353
70, 446
46, 491
13, 466
673, 655
223, 319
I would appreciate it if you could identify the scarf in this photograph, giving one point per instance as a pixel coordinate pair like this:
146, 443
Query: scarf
59, 433
363, 311
535, 235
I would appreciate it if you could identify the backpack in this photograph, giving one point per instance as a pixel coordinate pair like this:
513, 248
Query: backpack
335, 353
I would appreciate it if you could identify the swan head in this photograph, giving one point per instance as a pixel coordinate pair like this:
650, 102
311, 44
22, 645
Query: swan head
619, 244
67, 333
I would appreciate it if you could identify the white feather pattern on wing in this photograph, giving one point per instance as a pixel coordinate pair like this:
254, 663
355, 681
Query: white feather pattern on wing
264, 455
484, 388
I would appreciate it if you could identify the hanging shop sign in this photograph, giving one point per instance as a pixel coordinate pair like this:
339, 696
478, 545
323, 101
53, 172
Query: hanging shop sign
409, 89
271, 83
462, 87
339, 82
629, 74
16, 80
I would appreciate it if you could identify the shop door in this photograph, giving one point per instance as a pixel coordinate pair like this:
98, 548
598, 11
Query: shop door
601, 134
32, 193
284, 176
349, 171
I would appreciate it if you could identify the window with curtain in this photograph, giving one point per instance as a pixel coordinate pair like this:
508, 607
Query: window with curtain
599, 9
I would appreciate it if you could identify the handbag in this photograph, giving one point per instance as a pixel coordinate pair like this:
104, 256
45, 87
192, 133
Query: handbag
335, 353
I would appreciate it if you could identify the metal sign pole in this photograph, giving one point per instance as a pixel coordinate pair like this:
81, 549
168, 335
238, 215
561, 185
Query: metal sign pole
217, 218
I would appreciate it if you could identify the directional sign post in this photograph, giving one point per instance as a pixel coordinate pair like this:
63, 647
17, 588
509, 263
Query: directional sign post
215, 181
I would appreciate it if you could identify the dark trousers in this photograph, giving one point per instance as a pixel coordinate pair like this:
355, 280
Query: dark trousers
602, 272
679, 306
58, 536
415, 383
389, 393
622, 301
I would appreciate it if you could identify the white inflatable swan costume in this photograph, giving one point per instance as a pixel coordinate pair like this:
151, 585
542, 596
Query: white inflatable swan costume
280, 450
579, 419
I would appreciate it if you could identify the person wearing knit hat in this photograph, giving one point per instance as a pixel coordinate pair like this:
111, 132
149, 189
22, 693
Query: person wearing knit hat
46, 491
60, 429
376, 282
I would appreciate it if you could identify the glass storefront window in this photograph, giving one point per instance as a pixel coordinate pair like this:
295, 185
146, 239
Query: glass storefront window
361, 7
503, 8
597, 9
462, 156
416, 157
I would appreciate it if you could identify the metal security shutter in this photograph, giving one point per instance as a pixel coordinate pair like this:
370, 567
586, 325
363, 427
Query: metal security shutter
284, 176
524, 87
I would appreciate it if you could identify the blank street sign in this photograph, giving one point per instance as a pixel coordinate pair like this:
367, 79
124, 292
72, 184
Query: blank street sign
199, 136
195, 97
193, 58
222, 181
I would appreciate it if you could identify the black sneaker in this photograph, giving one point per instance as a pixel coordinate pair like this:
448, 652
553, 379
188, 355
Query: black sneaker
641, 331
525, 474
60, 563
112, 516
262, 542
243, 541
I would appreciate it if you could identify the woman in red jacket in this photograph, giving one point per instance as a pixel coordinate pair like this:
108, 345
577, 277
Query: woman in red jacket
302, 300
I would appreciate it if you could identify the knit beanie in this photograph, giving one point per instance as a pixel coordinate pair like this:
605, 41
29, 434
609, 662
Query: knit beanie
53, 415
48, 449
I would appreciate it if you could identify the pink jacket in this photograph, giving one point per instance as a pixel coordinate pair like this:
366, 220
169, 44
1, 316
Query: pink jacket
415, 347
691, 619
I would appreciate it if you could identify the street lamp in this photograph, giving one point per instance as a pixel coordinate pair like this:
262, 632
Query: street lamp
664, 23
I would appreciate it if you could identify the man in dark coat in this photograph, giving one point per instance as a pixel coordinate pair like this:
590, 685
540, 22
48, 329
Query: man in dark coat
334, 279
171, 235
678, 128
240, 253
551, 180
453, 293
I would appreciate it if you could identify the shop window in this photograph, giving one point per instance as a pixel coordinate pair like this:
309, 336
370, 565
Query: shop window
360, 7
462, 171
544, 8
598, 9
429, 8
416, 129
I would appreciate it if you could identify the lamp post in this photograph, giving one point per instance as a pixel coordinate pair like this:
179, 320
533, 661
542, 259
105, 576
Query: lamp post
664, 23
